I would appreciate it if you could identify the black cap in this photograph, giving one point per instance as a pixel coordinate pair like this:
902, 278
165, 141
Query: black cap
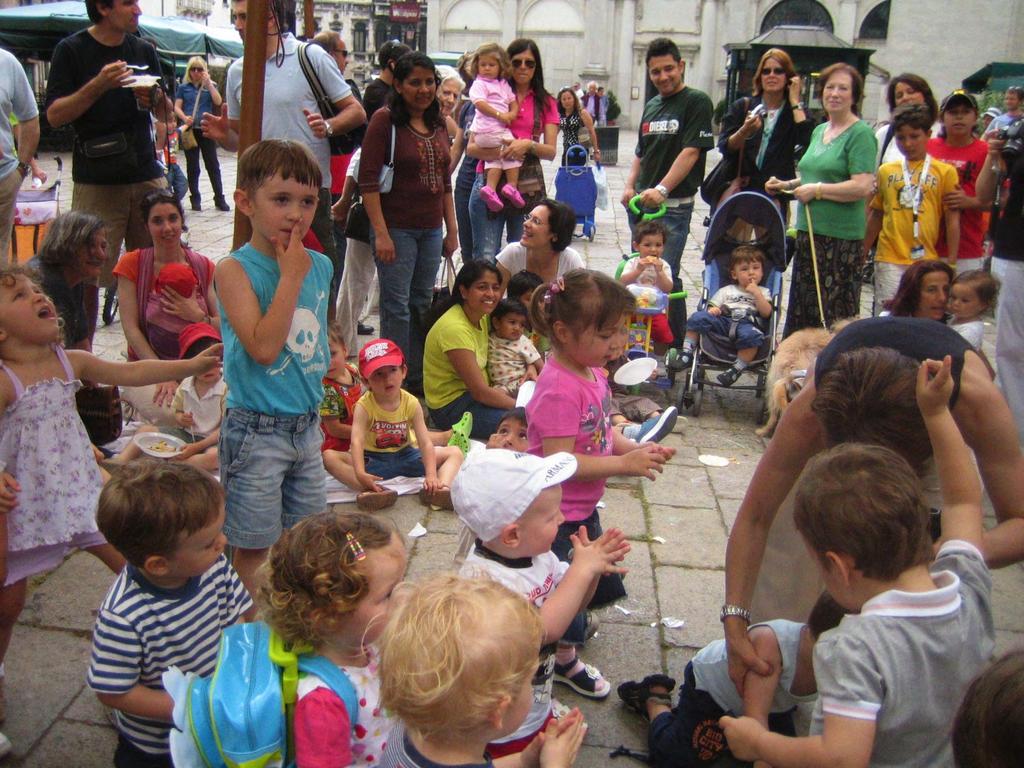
959, 96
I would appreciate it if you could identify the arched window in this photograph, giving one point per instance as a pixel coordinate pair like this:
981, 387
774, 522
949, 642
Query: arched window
876, 24
804, 13
359, 37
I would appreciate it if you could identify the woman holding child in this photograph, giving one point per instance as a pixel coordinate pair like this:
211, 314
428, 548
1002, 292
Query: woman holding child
535, 130
406, 217
544, 246
160, 290
836, 176
455, 358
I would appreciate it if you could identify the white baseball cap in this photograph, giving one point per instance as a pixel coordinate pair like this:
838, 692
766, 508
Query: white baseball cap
494, 487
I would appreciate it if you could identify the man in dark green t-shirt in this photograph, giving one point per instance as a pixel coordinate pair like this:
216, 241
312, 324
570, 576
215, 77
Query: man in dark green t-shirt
675, 135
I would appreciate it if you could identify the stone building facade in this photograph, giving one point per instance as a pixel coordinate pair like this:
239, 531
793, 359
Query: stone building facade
604, 40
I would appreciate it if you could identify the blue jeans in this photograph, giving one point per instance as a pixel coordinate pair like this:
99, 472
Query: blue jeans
272, 472
748, 335
487, 231
407, 462
485, 417
406, 290
463, 190
677, 222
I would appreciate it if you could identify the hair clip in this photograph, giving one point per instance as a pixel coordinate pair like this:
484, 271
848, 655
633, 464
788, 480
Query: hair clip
557, 286
352, 544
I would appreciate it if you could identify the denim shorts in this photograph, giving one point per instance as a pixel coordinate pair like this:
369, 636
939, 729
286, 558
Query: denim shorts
408, 462
272, 473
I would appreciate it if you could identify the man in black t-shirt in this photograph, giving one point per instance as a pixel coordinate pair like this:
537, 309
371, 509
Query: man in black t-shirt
378, 92
675, 136
114, 162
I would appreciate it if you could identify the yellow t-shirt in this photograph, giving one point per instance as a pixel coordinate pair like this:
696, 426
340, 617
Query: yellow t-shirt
389, 431
897, 236
441, 383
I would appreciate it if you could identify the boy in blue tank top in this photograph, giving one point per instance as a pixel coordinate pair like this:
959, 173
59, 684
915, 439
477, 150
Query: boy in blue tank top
273, 296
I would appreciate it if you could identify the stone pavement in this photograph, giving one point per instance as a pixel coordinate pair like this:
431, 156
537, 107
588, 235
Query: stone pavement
678, 527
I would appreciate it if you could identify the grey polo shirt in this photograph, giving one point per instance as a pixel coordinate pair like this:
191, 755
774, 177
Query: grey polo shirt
286, 93
905, 661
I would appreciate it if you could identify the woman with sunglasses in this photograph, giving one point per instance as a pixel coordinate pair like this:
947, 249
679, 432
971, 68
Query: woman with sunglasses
770, 125
572, 117
199, 85
535, 130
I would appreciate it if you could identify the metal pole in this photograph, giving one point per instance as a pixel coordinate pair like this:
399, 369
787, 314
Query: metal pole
308, 22
250, 128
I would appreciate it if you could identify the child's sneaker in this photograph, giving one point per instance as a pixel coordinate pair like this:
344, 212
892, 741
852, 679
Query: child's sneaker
491, 199
371, 501
460, 433
511, 194
729, 376
585, 679
636, 693
656, 428
679, 359
5, 746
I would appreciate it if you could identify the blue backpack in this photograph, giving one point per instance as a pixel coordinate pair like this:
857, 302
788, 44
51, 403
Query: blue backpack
241, 716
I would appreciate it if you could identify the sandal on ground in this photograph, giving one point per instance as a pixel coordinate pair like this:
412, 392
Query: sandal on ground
371, 501
461, 431
635, 694
439, 499
583, 678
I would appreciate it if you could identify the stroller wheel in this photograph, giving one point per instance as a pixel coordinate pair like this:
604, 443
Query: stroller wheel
109, 305
698, 400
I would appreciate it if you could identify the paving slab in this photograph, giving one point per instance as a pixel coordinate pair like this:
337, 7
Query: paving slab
641, 601
59, 601
74, 744
680, 486
624, 509
693, 537
694, 595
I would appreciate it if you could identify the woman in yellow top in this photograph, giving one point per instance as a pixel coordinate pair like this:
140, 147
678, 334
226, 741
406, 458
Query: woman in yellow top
455, 355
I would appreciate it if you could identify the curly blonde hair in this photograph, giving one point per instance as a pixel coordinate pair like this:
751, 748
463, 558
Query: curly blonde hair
312, 574
451, 652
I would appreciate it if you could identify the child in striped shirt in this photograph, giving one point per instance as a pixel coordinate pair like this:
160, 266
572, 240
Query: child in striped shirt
169, 604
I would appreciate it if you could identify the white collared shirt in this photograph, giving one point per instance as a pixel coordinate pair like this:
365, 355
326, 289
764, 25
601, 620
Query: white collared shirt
207, 410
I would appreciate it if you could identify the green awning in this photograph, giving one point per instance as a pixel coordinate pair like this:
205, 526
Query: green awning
995, 76
36, 29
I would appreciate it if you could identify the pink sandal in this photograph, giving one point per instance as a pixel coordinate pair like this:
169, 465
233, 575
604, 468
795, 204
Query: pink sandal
511, 194
491, 199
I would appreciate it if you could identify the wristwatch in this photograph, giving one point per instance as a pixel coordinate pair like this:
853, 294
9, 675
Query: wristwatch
328, 130
799, 105
24, 169
661, 189
734, 610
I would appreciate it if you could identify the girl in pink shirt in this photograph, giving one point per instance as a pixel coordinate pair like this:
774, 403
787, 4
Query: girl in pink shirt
496, 108
584, 315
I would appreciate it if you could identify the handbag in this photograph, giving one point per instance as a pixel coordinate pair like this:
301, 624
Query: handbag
357, 224
443, 289
99, 407
721, 182
187, 138
531, 174
341, 143
105, 159
387, 171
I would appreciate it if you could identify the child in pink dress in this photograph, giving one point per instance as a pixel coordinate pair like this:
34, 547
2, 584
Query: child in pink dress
583, 314
496, 108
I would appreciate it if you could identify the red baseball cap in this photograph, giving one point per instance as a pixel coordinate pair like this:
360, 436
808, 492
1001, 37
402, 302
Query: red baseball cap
378, 353
192, 333
179, 277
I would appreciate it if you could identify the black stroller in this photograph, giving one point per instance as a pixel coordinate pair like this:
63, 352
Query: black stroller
745, 218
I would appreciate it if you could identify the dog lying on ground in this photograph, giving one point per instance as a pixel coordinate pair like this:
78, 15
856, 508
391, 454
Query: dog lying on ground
793, 358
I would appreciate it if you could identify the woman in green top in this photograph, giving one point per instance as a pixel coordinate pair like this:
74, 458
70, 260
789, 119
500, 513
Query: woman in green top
836, 177
455, 354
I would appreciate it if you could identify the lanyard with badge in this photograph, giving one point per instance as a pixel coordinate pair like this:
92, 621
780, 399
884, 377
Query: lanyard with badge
910, 197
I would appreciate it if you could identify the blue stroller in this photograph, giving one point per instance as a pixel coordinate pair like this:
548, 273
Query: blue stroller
745, 218
575, 186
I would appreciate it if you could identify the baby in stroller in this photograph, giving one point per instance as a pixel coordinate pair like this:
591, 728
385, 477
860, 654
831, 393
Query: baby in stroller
734, 312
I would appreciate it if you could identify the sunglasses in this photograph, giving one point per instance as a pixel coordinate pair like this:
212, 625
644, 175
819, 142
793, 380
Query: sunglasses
196, 69
520, 63
773, 71
341, 52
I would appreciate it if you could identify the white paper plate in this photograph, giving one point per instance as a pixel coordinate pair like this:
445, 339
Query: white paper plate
710, 460
142, 81
159, 445
525, 393
636, 371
